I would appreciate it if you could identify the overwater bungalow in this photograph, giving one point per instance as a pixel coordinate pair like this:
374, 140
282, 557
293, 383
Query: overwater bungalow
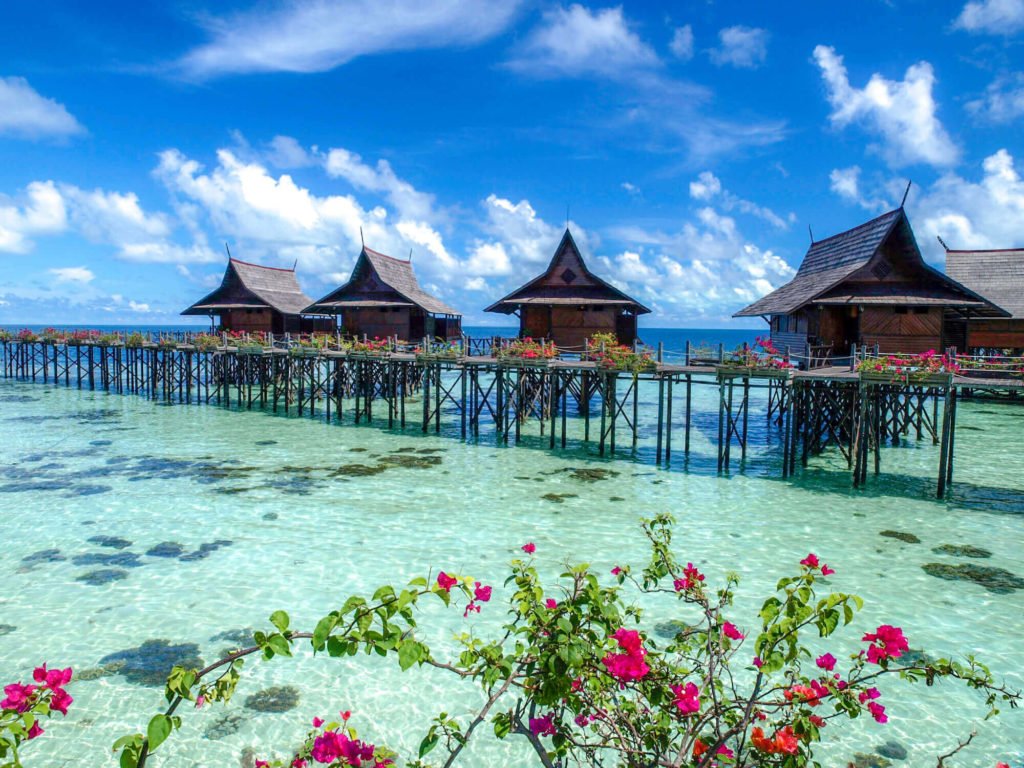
382, 298
867, 286
568, 303
998, 275
255, 298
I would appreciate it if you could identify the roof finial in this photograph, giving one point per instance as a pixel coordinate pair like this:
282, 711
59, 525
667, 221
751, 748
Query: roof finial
228, 250
811, 233
410, 254
942, 242
361, 241
907, 192
566, 216
295, 265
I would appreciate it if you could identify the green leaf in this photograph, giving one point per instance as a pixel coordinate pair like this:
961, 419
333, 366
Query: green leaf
428, 743
280, 620
409, 653
502, 725
158, 730
279, 645
324, 628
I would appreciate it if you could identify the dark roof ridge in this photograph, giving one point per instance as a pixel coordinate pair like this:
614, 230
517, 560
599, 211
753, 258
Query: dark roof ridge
233, 260
863, 225
385, 256
985, 250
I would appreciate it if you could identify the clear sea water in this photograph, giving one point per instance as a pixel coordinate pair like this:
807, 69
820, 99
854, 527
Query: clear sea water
76, 465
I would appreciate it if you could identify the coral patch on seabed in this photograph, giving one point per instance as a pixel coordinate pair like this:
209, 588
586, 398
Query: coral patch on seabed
102, 576
151, 662
166, 549
997, 580
279, 698
962, 550
907, 538
113, 542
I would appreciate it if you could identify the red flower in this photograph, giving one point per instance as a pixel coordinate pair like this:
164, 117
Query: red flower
529, 547
890, 643
446, 582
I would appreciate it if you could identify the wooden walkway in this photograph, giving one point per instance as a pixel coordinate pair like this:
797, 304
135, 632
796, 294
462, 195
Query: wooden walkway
810, 411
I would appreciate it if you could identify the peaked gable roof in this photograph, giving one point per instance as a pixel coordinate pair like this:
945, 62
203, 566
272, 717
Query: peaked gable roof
567, 280
246, 286
374, 271
998, 275
830, 262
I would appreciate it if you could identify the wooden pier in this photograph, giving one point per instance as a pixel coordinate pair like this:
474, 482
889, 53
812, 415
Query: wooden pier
809, 412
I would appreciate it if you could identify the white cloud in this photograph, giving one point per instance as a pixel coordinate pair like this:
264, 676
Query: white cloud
1003, 101
285, 152
136, 306
631, 189
25, 113
739, 46
524, 236
577, 42
845, 182
682, 43
973, 214
996, 17
708, 187
43, 213
407, 200
902, 112
488, 259
72, 274
319, 35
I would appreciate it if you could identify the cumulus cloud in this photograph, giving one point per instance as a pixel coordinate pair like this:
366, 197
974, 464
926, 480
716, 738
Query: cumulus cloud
575, 42
72, 274
982, 213
25, 113
995, 17
1003, 100
708, 187
901, 112
702, 273
845, 182
739, 46
42, 213
407, 200
319, 35
682, 43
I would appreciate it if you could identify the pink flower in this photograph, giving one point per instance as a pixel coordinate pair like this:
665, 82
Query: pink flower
691, 579
616, 571
529, 547
581, 720
298, 762
481, 593
551, 603
878, 712
887, 642
730, 631
826, 662
757, 662
60, 701
628, 666
811, 561
52, 678
826, 571
317, 722
35, 731
543, 726
345, 715
262, 764
724, 751
577, 684
817, 721
869, 694
200, 700
18, 697
446, 582
687, 699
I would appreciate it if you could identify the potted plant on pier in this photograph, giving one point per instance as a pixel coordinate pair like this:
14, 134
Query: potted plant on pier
762, 360
369, 348
438, 352
527, 353
135, 340
605, 350
927, 369
205, 342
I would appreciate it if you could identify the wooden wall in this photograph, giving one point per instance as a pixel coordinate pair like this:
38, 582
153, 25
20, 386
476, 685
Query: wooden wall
567, 326
896, 332
248, 320
375, 322
995, 334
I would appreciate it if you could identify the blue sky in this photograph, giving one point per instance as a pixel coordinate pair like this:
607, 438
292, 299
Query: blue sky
692, 143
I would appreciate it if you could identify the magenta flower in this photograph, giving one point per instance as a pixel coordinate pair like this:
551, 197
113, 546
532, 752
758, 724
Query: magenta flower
551, 603
529, 547
446, 582
262, 764
887, 642
543, 726
692, 579
811, 561
616, 571
18, 697
687, 699
52, 678
826, 662
826, 571
317, 722
35, 731
869, 694
481, 593
878, 712
730, 631
628, 666
60, 701
757, 662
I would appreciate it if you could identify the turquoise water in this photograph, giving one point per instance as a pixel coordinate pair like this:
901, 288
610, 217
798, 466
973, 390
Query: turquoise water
282, 531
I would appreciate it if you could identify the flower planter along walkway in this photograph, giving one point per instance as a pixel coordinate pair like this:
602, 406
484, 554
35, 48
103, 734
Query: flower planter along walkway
856, 413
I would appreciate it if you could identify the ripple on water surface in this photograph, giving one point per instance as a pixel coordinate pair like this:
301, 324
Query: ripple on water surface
137, 537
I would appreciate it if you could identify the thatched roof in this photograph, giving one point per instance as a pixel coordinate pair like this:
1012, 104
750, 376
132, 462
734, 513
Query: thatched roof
566, 281
378, 280
253, 286
833, 272
997, 275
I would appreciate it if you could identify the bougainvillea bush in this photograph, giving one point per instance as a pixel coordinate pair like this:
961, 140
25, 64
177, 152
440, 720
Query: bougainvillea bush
572, 674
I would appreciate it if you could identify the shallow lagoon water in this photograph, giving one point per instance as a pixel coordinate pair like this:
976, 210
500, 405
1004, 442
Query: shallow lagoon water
231, 515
